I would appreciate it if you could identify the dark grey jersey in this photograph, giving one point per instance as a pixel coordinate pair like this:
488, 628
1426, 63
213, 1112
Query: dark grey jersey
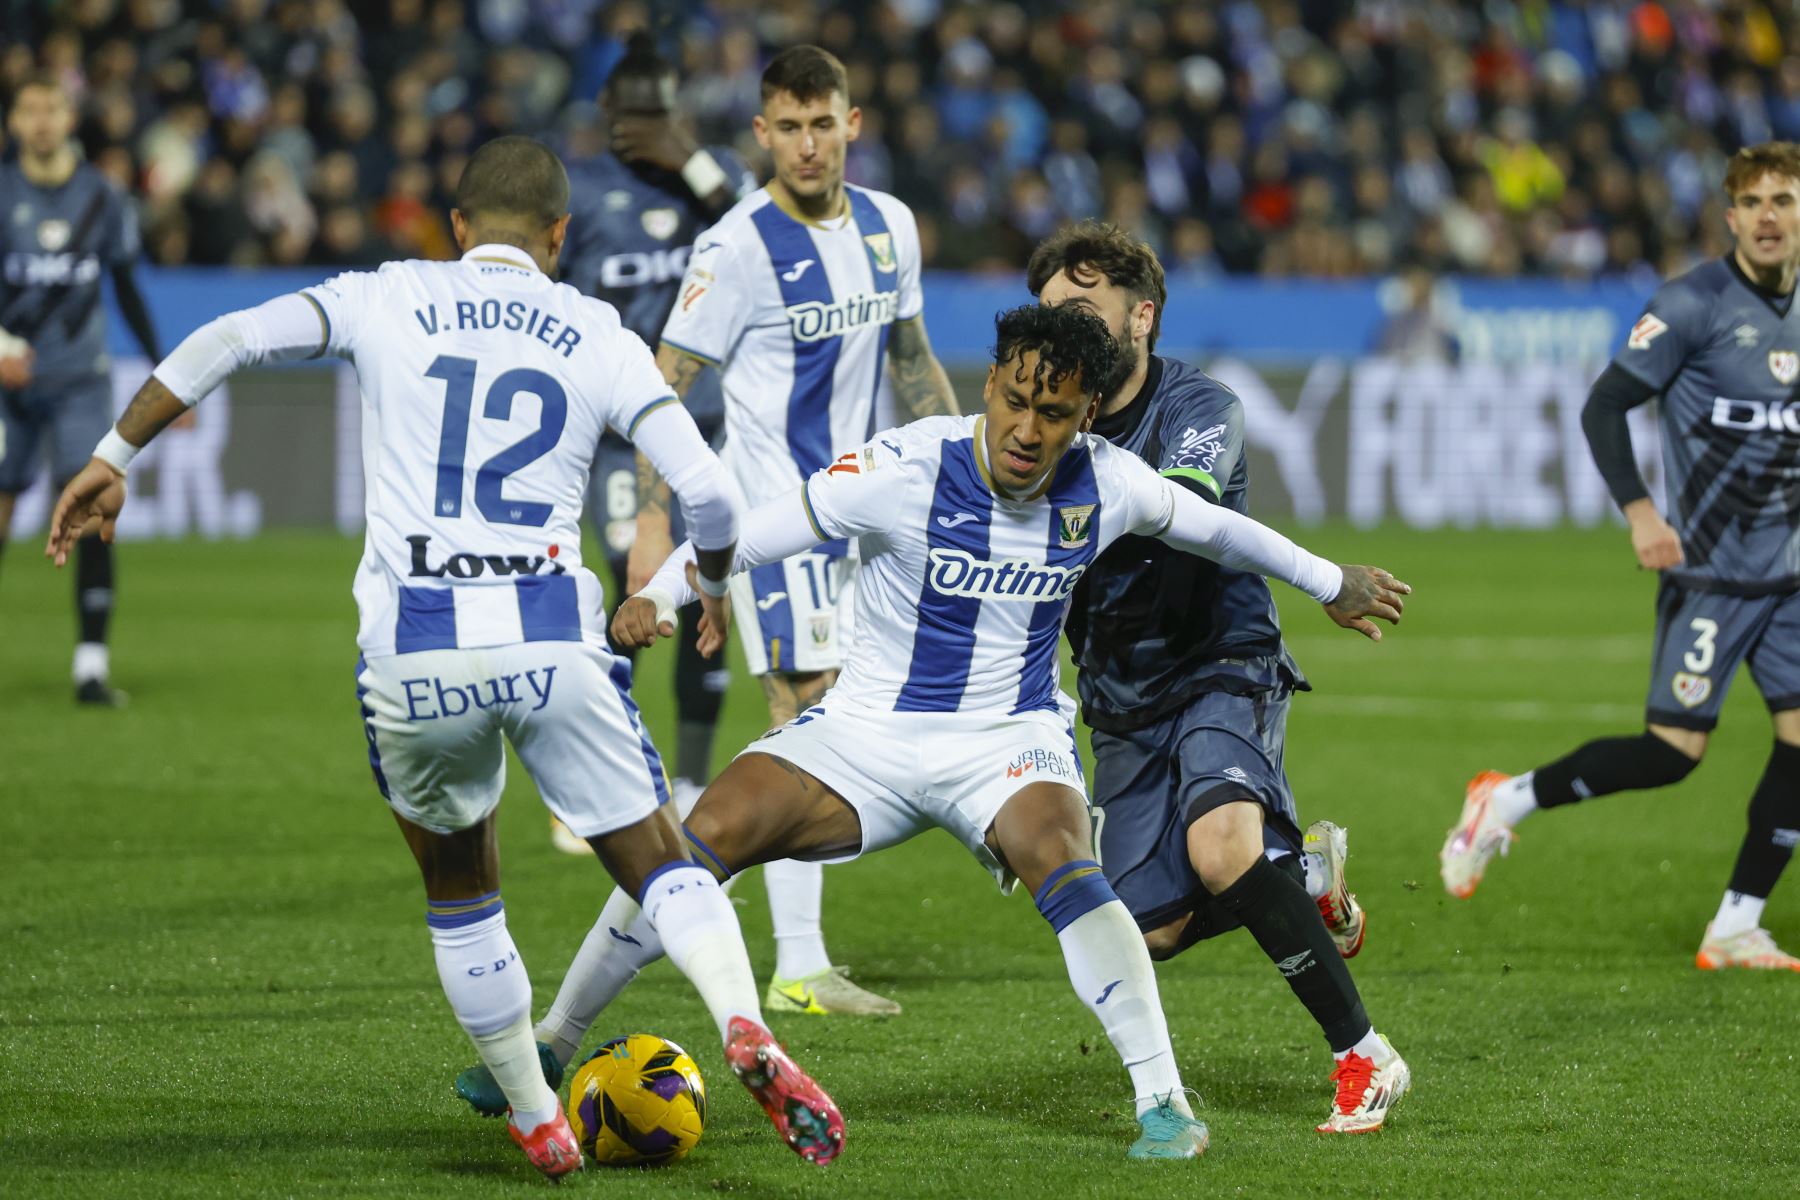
55, 244
1726, 357
1150, 626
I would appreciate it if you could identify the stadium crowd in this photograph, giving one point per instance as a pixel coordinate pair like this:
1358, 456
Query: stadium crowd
1287, 137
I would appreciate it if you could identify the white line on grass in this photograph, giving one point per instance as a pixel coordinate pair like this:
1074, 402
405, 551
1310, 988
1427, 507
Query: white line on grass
1448, 709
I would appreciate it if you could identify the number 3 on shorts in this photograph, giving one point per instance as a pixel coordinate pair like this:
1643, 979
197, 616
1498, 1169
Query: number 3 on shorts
1699, 660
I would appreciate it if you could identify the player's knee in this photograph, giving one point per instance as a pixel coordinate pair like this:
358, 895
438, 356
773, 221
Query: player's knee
1672, 754
1224, 843
1167, 941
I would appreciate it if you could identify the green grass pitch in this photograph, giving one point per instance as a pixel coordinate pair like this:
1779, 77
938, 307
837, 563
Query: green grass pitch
215, 979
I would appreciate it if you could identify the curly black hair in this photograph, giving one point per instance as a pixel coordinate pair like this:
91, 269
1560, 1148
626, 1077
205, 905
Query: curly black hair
1069, 340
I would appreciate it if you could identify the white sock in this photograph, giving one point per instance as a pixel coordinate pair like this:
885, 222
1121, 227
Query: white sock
621, 943
1514, 800
92, 661
1738, 913
1318, 880
700, 934
796, 894
484, 979
1112, 974
1369, 1045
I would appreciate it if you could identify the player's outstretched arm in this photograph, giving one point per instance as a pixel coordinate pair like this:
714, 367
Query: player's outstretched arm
91, 502
669, 440
921, 385
1367, 592
286, 327
772, 531
653, 543
1351, 594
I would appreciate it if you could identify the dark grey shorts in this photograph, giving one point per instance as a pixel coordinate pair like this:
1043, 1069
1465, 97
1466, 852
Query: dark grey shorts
1701, 637
66, 419
1151, 784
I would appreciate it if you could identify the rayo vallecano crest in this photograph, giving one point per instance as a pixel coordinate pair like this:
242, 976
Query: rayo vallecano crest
53, 234
1072, 525
1784, 365
661, 223
1691, 689
881, 245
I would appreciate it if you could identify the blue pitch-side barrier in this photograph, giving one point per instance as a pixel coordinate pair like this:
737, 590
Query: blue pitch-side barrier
1509, 321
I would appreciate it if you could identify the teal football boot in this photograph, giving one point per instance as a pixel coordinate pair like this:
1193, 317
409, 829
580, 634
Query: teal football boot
478, 1086
1169, 1133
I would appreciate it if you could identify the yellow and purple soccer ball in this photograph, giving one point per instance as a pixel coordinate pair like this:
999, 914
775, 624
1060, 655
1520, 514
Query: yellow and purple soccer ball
637, 1101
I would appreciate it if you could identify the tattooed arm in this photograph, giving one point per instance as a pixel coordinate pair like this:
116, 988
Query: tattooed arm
653, 542
921, 388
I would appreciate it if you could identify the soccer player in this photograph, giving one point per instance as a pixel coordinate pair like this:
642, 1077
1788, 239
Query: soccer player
799, 296
634, 213
974, 531
62, 226
485, 389
1721, 346
1185, 684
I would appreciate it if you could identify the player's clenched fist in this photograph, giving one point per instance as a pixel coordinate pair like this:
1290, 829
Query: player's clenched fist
642, 619
1654, 540
1368, 592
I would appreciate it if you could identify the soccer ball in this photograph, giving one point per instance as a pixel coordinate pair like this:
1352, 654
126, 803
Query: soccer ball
637, 1101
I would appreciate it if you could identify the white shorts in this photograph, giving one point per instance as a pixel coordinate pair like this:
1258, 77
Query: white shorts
795, 615
906, 772
435, 719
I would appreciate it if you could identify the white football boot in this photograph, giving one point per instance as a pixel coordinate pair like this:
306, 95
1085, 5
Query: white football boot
1344, 917
1754, 949
1477, 837
1366, 1091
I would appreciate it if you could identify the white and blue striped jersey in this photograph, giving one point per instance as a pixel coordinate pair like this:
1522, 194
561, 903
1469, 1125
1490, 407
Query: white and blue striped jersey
485, 389
796, 315
962, 592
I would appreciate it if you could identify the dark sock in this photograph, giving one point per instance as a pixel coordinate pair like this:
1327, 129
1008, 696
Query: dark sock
1285, 922
1774, 825
93, 587
699, 694
693, 751
1607, 765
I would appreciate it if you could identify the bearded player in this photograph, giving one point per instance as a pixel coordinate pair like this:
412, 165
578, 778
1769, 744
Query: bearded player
806, 299
62, 226
1185, 684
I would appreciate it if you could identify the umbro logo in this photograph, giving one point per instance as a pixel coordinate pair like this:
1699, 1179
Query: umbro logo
1294, 964
794, 275
959, 519
771, 600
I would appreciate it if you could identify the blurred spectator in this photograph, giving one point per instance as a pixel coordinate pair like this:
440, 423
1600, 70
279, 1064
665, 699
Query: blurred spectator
1416, 330
1290, 136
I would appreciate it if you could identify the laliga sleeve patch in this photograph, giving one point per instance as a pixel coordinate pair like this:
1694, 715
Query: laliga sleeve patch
1649, 327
